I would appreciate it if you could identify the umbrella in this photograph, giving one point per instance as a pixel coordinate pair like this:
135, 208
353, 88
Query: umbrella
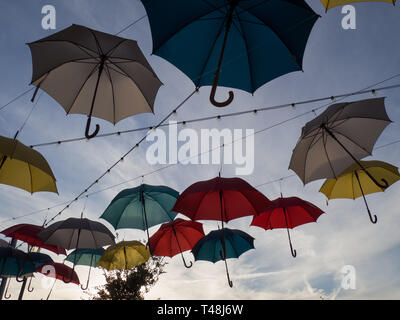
59, 271
340, 136
175, 237
29, 233
76, 233
287, 213
329, 4
234, 43
124, 255
353, 182
24, 168
15, 263
141, 207
221, 245
94, 73
87, 257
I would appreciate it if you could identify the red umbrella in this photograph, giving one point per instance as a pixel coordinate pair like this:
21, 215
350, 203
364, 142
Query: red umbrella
222, 199
28, 233
59, 271
175, 237
287, 213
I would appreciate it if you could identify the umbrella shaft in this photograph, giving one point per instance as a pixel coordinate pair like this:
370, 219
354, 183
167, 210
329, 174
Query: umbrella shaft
101, 68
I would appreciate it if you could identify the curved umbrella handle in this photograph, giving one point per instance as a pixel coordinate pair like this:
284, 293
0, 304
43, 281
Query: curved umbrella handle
5, 293
212, 95
294, 252
30, 288
96, 131
185, 264
17, 277
226, 268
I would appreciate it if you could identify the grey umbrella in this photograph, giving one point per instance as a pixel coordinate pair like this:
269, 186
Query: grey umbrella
94, 73
340, 136
75, 233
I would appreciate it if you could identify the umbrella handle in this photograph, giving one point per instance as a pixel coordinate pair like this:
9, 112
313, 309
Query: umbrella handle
17, 277
5, 293
185, 264
226, 268
373, 219
30, 288
213, 91
88, 279
96, 131
294, 252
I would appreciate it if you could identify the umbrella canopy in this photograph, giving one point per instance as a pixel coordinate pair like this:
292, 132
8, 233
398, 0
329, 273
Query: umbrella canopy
24, 168
354, 182
221, 245
234, 43
29, 233
221, 199
75, 233
38, 259
59, 271
14, 262
175, 237
287, 213
124, 255
340, 136
329, 4
94, 73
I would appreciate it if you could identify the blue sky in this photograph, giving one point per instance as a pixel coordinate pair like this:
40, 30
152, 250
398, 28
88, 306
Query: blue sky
336, 61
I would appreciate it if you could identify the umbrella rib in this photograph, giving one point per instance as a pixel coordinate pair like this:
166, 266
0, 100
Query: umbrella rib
247, 52
326, 153
351, 140
308, 150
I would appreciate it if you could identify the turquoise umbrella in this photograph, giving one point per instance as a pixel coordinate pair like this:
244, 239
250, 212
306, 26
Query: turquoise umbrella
86, 257
221, 245
141, 207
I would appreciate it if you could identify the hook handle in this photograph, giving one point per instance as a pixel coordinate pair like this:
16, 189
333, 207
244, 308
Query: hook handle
30, 288
17, 277
5, 293
372, 219
185, 264
96, 131
223, 257
294, 252
213, 92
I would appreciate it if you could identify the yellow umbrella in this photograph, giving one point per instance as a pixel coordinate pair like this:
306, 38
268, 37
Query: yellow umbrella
354, 182
328, 4
124, 255
25, 168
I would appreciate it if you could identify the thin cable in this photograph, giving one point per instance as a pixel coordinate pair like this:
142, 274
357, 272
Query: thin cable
131, 24
16, 98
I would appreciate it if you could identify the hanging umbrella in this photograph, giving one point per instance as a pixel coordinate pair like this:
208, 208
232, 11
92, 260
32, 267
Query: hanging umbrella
175, 237
76, 233
221, 245
94, 73
124, 255
354, 183
221, 199
14, 262
87, 257
24, 168
141, 207
340, 136
59, 271
29, 233
236, 43
38, 259
287, 213
329, 4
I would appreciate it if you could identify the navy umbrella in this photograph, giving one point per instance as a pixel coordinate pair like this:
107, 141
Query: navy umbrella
235, 43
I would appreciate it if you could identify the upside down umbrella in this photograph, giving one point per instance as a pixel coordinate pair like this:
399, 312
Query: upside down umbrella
354, 182
59, 271
24, 168
339, 137
87, 257
221, 245
329, 4
287, 213
94, 73
75, 233
124, 255
141, 207
175, 237
220, 199
29, 233
235, 43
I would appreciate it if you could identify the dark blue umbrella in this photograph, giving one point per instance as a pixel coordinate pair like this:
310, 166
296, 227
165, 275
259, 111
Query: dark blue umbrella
221, 245
39, 259
14, 262
237, 43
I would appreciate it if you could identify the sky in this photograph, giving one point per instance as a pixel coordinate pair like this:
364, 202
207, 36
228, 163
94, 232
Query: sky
336, 61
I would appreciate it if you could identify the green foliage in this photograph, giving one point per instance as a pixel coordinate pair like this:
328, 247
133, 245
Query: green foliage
131, 284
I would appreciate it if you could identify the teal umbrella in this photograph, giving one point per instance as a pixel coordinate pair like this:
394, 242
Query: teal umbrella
141, 207
86, 257
14, 262
221, 245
